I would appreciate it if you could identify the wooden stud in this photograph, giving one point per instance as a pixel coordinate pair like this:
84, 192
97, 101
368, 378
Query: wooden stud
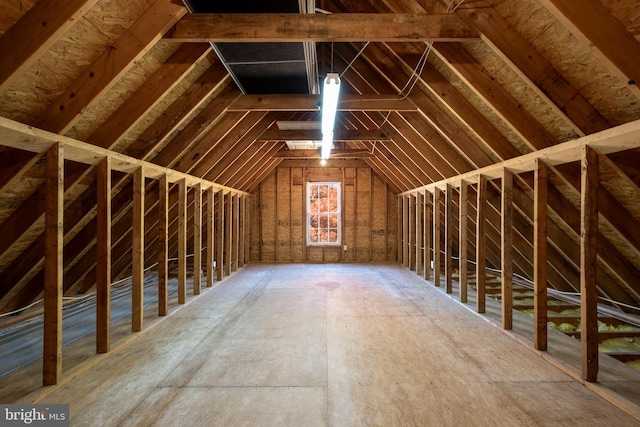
241, 230
163, 246
427, 235
197, 239
448, 240
411, 247
400, 232
540, 187
481, 244
588, 263
137, 268
506, 249
103, 257
419, 233
220, 234
53, 266
437, 195
228, 229
182, 241
247, 231
405, 231
464, 240
210, 236
235, 244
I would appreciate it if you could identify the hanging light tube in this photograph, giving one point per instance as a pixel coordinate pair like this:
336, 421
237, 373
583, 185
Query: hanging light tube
329, 107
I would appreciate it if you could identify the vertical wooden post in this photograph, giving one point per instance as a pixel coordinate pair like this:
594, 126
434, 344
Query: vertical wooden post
437, 195
103, 255
241, 230
247, 231
480, 245
448, 239
137, 274
182, 241
163, 246
464, 240
197, 239
228, 228
235, 223
399, 234
53, 266
210, 239
506, 249
588, 259
419, 233
412, 232
427, 235
405, 231
540, 182
220, 234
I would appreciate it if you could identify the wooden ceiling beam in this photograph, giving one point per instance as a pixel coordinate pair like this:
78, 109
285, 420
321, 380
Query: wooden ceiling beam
34, 34
337, 27
315, 154
316, 135
347, 102
604, 35
331, 163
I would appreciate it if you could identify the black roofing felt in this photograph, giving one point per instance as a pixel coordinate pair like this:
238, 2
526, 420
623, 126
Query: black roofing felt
260, 68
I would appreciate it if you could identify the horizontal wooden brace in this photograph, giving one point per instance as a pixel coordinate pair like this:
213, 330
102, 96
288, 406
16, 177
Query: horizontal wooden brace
337, 27
316, 135
331, 163
23, 137
390, 102
619, 138
315, 154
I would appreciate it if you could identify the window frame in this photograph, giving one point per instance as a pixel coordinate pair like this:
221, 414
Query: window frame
338, 185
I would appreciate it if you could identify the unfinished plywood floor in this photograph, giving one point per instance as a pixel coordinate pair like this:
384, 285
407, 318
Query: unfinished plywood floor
328, 345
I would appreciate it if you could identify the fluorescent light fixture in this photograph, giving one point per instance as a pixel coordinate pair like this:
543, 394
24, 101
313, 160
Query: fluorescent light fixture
329, 107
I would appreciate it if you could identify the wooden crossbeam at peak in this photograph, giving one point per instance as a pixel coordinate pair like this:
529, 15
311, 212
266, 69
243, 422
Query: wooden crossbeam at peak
316, 135
348, 102
338, 27
315, 154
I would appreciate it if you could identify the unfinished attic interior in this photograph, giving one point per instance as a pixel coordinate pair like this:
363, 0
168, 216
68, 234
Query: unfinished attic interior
178, 229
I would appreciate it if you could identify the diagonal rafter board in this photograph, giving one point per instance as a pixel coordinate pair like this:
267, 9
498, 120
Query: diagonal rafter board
276, 102
97, 79
38, 29
107, 135
17, 135
604, 35
105, 71
528, 63
620, 138
337, 27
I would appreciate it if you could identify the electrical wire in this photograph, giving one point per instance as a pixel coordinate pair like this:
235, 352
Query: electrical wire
114, 285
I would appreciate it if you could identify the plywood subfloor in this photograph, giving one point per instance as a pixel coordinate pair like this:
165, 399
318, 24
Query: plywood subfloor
328, 345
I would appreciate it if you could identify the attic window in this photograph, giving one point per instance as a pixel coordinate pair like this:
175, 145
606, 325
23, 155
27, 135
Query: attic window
324, 223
